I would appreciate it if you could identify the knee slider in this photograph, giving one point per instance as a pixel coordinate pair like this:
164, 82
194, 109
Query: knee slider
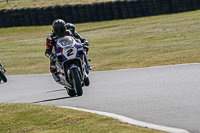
53, 69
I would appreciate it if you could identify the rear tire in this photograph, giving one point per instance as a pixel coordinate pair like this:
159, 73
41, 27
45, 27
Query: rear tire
3, 77
76, 82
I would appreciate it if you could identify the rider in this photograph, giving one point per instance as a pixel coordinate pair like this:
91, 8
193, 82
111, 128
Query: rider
1, 66
84, 41
59, 30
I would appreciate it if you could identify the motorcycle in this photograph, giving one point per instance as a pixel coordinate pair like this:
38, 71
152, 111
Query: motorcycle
2, 75
72, 65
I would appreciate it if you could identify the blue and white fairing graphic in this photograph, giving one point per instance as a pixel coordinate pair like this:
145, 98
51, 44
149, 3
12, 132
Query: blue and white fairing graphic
67, 48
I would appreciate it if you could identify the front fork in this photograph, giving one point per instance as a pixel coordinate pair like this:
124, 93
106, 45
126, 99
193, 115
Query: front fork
86, 60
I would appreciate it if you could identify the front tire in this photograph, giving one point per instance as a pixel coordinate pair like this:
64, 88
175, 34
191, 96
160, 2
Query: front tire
3, 77
76, 82
71, 93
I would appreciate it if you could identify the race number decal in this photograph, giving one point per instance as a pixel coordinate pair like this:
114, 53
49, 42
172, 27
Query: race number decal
70, 52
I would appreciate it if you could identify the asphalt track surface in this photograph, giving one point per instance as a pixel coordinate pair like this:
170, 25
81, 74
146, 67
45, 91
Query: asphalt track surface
165, 95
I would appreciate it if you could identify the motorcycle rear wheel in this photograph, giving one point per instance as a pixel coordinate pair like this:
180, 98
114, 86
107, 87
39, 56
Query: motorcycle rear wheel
3, 77
76, 82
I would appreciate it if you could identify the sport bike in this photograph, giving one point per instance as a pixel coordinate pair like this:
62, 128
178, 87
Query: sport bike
2, 75
71, 63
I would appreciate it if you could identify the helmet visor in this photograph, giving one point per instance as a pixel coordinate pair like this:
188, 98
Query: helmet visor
59, 31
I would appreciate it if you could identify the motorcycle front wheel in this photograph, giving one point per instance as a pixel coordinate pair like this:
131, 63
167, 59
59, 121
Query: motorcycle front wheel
71, 93
3, 77
76, 82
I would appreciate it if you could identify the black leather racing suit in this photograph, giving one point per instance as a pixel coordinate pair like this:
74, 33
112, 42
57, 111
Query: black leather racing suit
82, 40
77, 36
51, 48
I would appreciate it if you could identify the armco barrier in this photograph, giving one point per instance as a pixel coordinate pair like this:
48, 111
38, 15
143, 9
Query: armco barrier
27, 17
139, 8
180, 5
124, 9
48, 15
196, 4
108, 10
56, 12
89, 13
167, 6
8, 18
15, 17
151, 6
131, 8
34, 16
75, 13
118, 9
94, 11
2, 19
145, 7
101, 11
82, 12
158, 7
41, 16
188, 4
66, 10
22, 19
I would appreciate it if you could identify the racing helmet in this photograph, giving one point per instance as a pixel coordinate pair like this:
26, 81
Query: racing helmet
59, 27
70, 27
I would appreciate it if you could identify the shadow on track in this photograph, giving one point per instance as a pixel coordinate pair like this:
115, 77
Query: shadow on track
52, 99
55, 91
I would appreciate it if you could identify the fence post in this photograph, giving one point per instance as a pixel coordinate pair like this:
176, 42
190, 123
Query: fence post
7, 1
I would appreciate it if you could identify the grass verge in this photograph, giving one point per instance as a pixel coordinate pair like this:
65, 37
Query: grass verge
118, 44
13, 4
50, 119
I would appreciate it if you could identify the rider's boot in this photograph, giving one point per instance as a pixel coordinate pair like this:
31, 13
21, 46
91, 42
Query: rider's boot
90, 68
54, 72
56, 77
4, 70
87, 61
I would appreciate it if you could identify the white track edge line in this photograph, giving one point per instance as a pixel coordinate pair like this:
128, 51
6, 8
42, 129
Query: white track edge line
131, 121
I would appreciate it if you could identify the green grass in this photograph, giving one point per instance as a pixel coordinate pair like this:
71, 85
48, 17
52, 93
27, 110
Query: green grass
50, 119
17, 4
118, 44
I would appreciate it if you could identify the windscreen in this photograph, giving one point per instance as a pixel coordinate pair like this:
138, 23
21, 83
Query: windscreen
66, 41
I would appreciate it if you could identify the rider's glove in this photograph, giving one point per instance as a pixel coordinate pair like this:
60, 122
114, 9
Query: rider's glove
86, 43
86, 48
